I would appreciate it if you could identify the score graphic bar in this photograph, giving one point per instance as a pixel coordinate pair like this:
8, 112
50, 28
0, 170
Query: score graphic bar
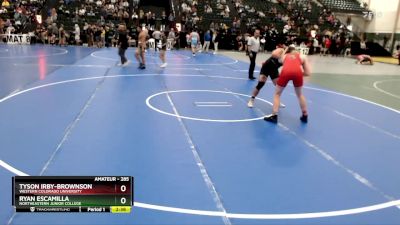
73, 194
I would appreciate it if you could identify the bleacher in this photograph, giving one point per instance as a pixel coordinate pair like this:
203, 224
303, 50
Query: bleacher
66, 16
298, 7
215, 17
26, 18
265, 7
352, 6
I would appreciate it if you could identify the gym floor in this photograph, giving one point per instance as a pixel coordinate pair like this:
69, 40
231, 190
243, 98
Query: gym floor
198, 154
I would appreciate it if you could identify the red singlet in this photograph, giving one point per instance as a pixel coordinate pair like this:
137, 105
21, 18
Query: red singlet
291, 71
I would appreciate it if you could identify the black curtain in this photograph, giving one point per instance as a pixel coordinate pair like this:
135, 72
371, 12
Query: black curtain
158, 3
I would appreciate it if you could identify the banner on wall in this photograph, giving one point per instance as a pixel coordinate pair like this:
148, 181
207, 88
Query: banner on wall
17, 39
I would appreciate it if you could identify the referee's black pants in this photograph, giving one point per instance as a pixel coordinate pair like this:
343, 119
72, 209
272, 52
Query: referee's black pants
252, 57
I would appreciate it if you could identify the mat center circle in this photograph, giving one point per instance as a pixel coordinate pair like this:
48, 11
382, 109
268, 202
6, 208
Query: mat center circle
221, 106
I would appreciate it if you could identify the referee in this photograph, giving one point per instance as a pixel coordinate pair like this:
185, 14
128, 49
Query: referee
253, 47
157, 37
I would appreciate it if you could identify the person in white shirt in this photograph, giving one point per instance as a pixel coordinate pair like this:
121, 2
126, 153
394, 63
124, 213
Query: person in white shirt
10, 30
135, 16
77, 33
315, 45
157, 37
171, 39
227, 10
253, 46
363, 46
82, 12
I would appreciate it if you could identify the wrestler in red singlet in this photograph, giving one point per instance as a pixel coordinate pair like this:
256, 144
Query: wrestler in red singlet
291, 70
294, 68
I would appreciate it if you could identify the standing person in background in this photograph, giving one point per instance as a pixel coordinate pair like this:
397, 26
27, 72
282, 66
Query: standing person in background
216, 39
84, 35
97, 36
164, 21
335, 46
207, 40
90, 35
103, 37
171, 39
77, 33
163, 49
157, 38
363, 46
1, 26
315, 45
187, 40
54, 32
182, 39
122, 44
61, 36
140, 51
109, 36
327, 45
194, 38
253, 47
398, 53
171, 20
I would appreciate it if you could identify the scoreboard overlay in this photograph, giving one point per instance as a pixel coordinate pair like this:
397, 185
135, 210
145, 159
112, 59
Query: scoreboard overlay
73, 193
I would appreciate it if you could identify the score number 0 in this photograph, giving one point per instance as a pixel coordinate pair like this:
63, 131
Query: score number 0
123, 199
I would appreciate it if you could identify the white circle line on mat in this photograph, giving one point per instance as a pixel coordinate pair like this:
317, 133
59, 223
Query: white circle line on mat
202, 119
384, 91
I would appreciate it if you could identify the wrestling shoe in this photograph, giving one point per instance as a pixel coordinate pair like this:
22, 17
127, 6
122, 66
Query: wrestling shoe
271, 118
250, 104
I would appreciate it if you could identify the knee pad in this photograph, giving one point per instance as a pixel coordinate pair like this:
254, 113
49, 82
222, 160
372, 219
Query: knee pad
260, 85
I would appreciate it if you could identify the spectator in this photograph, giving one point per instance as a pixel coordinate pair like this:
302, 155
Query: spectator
61, 36
10, 29
208, 9
53, 17
286, 29
171, 20
171, 38
1, 26
363, 46
77, 33
109, 36
216, 39
5, 4
207, 40
212, 26
315, 46
164, 20
3, 10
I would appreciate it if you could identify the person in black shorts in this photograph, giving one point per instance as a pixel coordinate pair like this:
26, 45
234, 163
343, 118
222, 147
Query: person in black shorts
269, 68
122, 44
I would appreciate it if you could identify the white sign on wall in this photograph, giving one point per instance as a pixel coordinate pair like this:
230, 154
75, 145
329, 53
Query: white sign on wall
21, 39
